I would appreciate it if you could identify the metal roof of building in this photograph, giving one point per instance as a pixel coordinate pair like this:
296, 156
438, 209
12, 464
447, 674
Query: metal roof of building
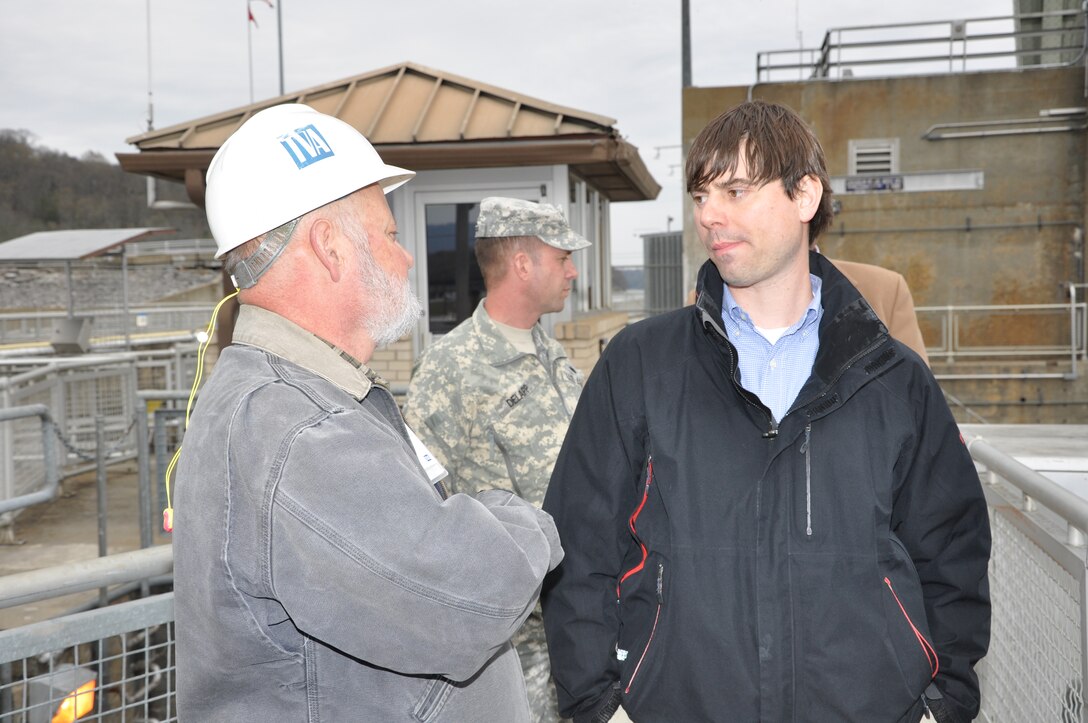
423, 119
71, 244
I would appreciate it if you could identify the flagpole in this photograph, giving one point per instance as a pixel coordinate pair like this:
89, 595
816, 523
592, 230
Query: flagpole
249, 41
279, 30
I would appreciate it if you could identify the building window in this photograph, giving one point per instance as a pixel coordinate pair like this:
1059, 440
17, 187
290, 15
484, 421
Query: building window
870, 156
454, 282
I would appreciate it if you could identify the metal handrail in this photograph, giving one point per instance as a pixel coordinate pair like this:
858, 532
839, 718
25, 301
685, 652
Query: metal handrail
1076, 349
52, 478
1069, 506
50, 582
822, 60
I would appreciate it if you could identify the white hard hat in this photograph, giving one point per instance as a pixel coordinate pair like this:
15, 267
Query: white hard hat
284, 162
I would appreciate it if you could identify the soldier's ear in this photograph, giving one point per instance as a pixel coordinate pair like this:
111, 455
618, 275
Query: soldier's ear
522, 264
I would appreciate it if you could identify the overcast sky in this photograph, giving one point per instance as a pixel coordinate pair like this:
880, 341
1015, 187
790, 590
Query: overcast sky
76, 75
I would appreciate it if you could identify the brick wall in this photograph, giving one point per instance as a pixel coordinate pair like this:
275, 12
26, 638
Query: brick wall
394, 362
586, 336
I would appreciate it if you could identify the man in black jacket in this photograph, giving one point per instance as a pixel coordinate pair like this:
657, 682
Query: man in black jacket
768, 510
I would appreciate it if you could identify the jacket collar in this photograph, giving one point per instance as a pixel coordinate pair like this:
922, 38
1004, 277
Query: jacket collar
494, 347
849, 329
268, 330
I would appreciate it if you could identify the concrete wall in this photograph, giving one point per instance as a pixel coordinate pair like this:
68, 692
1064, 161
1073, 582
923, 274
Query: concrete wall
1022, 222
586, 336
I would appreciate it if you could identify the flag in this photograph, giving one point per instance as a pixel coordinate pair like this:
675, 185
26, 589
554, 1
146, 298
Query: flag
249, 11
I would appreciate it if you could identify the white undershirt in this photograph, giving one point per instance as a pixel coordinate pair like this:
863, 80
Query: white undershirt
771, 335
521, 339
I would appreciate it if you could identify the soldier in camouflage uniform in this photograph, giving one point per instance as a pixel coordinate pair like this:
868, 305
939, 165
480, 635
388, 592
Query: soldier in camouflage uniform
492, 399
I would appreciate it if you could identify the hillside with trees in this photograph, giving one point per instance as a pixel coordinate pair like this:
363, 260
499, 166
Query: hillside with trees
47, 190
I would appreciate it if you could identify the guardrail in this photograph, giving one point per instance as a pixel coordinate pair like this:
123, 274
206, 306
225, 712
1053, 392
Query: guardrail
1043, 39
9, 500
93, 415
111, 327
1037, 665
985, 332
114, 663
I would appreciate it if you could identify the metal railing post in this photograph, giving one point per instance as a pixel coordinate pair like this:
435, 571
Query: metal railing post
143, 462
1073, 350
953, 334
100, 486
49, 491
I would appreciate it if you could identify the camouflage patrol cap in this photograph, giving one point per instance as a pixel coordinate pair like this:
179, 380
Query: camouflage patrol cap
505, 217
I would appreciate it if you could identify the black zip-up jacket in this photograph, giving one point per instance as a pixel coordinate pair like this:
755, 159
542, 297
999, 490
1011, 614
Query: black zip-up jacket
721, 566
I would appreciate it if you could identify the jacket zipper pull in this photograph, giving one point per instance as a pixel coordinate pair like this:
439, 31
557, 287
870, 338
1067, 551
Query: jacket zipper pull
660, 583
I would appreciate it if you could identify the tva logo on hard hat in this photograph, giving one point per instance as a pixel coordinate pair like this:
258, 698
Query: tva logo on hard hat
306, 145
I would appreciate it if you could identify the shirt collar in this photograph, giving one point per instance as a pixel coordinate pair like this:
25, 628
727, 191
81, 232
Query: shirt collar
494, 345
275, 334
737, 319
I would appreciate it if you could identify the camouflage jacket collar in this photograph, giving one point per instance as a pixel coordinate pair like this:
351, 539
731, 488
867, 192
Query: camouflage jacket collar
494, 346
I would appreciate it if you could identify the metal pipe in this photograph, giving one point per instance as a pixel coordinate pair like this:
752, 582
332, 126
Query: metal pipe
71, 298
967, 227
124, 296
100, 488
1032, 484
49, 491
1008, 132
27, 587
119, 592
143, 460
279, 34
685, 44
1073, 329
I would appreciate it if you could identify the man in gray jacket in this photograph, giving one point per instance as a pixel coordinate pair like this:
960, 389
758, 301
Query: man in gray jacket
322, 572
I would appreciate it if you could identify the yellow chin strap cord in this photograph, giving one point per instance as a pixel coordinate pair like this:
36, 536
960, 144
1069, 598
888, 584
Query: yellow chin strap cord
168, 513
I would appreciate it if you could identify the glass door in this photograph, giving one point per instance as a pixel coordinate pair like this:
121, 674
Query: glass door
451, 282
454, 282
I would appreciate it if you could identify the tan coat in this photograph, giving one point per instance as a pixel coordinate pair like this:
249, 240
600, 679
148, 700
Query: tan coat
888, 294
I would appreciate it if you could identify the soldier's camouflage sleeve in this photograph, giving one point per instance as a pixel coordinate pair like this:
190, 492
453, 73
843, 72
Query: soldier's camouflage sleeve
436, 413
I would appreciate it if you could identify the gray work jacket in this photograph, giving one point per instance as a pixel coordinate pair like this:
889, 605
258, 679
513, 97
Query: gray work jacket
319, 575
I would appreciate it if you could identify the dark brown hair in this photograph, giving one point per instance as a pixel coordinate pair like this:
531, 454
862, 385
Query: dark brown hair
778, 145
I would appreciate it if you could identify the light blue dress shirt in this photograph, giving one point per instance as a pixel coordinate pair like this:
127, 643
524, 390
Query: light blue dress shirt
775, 372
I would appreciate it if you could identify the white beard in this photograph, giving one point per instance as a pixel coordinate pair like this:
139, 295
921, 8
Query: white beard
393, 311
391, 308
